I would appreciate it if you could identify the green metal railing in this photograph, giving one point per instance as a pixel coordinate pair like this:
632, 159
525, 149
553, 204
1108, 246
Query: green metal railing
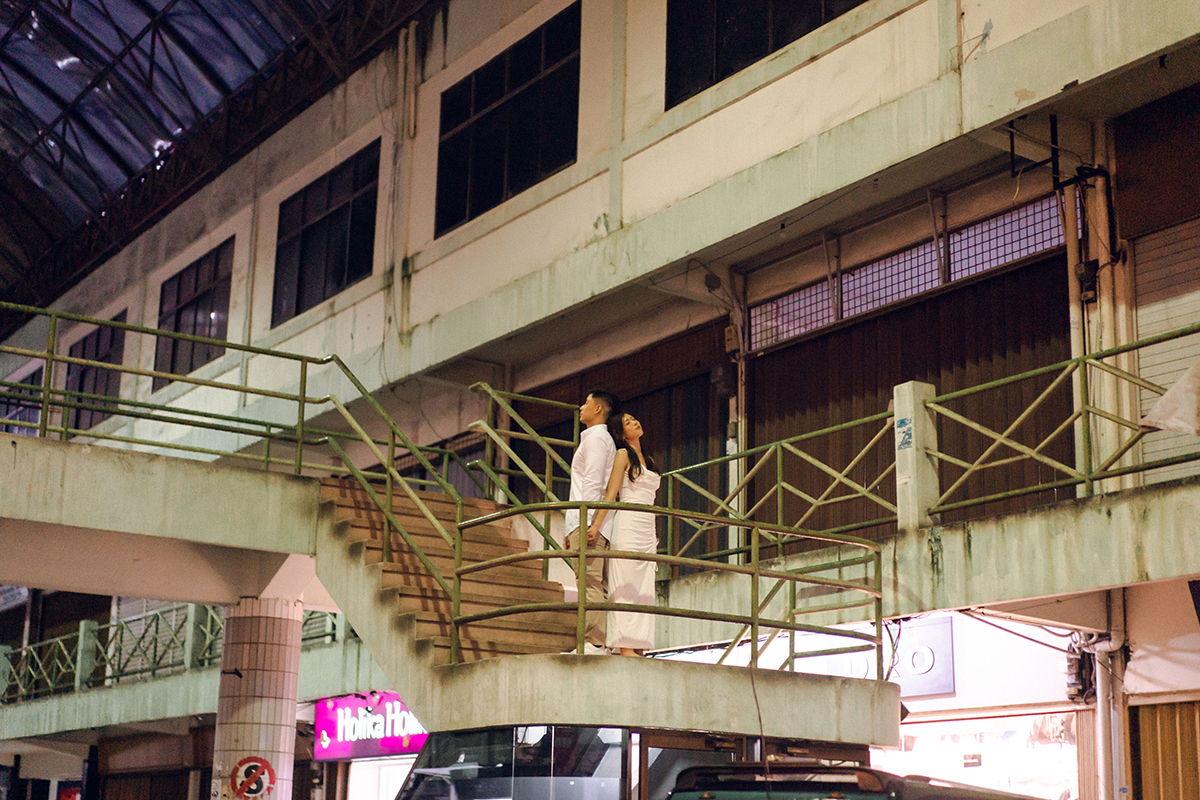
1093, 463
765, 470
858, 582
162, 642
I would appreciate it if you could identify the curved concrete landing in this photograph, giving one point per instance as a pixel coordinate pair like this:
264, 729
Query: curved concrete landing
652, 693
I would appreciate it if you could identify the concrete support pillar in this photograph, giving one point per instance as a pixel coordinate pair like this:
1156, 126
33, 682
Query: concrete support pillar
255, 740
916, 471
85, 654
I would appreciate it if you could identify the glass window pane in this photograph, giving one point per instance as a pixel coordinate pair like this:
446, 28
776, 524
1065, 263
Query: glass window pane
225, 259
341, 184
335, 253
167, 298
456, 105
562, 35
312, 266
162, 359
187, 285
361, 256
366, 166
291, 215
524, 61
791, 19
287, 276
489, 147
220, 326
489, 84
835, 8
742, 35
524, 139
454, 160
691, 48
316, 198
560, 118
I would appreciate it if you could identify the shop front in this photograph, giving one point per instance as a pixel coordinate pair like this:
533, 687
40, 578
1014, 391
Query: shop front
371, 739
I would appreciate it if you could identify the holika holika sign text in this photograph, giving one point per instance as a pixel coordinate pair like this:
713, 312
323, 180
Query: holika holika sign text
365, 726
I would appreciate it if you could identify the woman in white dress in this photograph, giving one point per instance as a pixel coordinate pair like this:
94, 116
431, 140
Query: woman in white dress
630, 581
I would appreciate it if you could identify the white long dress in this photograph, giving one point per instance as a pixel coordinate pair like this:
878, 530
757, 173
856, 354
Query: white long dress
632, 581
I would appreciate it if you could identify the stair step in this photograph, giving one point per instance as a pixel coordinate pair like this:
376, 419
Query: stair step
472, 552
523, 573
512, 590
419, 598
349, 491
371, 527
511, 628
477, 650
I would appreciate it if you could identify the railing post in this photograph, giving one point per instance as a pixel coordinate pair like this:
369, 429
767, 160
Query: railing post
754, 590
85, 654
300, 415
879, 616
387, 528
48, 376
267, 448
194, 636
778, 451
1086, 418
456, 598
581, 580
917, 486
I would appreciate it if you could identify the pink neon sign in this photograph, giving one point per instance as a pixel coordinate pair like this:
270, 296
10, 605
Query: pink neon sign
365, 726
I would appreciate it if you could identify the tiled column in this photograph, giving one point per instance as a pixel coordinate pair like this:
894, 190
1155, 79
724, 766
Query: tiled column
256, 711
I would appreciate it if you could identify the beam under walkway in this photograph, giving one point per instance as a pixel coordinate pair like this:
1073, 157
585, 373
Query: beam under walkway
104, 520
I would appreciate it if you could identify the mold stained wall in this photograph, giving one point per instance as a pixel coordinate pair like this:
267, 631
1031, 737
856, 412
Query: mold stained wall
650, 187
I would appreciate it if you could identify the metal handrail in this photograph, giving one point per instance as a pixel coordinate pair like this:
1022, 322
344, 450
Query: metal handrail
141, 646
1083, 418
870, 588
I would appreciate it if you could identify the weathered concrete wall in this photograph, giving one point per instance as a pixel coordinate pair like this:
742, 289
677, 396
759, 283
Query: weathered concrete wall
889, 84
100, 519
1114, 540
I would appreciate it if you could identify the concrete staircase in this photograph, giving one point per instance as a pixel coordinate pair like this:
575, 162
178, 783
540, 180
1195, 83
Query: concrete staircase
406, 586
516, 670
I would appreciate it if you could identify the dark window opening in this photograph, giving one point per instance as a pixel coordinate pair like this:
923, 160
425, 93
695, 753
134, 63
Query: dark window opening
510, 124
89, 384
709, 40
18, 415
326, 235
194, 301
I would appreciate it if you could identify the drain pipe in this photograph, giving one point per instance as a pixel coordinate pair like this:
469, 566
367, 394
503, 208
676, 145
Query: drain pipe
1069, 215
1105, 695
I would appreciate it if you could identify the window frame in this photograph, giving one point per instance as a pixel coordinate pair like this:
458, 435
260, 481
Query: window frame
217, 265
84, 378
526, 100
295, 292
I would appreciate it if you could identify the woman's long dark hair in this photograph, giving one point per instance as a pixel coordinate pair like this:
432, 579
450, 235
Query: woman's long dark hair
616, 428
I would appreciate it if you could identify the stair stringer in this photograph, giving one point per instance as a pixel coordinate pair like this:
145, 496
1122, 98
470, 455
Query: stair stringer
570, 689
390, 636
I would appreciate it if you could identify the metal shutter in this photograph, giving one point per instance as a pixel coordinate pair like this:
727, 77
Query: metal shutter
1167, 278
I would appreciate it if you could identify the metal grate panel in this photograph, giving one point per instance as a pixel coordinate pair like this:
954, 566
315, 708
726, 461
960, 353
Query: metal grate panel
1005, 238
890, 279
987, 244
791, 315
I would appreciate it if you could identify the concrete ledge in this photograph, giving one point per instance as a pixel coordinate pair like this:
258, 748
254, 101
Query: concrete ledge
123, 491
629, 692
1075, 546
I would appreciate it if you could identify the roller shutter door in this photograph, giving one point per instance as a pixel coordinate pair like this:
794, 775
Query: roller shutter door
1167, 276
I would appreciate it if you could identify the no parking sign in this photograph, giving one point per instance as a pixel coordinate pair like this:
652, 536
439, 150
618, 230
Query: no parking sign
252, 778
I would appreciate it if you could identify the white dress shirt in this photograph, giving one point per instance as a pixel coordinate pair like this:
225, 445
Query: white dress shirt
590, 468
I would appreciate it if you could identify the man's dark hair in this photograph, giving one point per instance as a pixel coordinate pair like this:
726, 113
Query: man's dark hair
611, 403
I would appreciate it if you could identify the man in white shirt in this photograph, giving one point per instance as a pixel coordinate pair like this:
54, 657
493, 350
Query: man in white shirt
590, 470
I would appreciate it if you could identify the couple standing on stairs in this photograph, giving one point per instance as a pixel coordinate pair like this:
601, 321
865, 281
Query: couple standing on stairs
609, 465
